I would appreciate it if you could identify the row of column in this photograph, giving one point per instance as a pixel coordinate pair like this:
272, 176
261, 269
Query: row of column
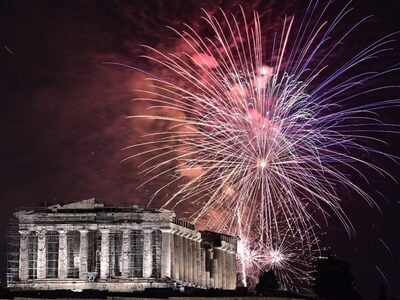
191, 263
223, 268
186, 263
147, 253
41, 254
166, 261
182, 257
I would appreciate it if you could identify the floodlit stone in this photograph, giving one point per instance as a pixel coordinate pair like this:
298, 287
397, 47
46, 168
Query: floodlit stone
119, 249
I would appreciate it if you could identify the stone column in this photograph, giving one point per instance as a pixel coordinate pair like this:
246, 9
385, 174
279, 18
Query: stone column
219, 255
174, 257
208, 279
41, 257
147, 253
203, 267
234, 266
210, 268
105, 253
223, 269
194, 261
228, 269
166, 252
112, 255
181, 258
23, 255
174, 273
172, 247
126, 253
232, 270
215, 269
185, 253
214, 274
62, 254
83, 253
190, 258
198, 262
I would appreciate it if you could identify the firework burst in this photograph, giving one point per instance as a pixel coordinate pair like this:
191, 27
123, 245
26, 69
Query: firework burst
289, 253
261, 128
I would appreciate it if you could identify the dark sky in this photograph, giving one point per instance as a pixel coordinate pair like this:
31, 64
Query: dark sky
63, 125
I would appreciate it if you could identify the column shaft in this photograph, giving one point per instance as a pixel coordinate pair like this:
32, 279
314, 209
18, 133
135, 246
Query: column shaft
24, 255
223, 269
126, 255
218, 274
203, 267
209, 267
112, 255
166, 253
62, 254
219, 270
232, 270
172, 259
208, 279
181, 258
147, 253
214, 274
185, 258
228, 269
190, 259
175, 266
105, 254
198, 262
194, 262
234, 266
41, 257
175, 258
83, 254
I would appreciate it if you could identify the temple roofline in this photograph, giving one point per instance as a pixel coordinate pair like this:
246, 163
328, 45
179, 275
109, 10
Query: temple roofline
89, 205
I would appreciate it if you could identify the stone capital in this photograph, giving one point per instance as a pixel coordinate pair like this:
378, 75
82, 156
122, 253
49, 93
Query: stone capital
126, 230
104, 230
166, 230
184, 234
24, 232
177, 232
41, 233
62, 232
192, 236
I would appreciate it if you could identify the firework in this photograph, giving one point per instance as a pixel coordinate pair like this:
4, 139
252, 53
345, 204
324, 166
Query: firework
289, 256
289, 252
261, 127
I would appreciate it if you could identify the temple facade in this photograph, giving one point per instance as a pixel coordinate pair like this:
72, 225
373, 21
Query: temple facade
88, 245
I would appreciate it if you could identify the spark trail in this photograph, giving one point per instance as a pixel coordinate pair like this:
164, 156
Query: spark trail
262, 127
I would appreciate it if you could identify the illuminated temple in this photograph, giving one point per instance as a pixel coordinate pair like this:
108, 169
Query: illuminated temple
88, 245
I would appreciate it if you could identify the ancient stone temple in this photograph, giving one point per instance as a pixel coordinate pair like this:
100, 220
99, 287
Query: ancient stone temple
87, 245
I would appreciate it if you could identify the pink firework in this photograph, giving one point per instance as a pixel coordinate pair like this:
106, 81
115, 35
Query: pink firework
260, 134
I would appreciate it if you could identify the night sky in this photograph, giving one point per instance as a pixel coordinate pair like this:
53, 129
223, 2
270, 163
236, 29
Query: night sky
63, 115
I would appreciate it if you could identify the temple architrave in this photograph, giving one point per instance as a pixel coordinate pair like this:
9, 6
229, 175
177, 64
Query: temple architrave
88, 245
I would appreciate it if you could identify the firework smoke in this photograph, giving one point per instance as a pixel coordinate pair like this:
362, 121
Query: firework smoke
259, 130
